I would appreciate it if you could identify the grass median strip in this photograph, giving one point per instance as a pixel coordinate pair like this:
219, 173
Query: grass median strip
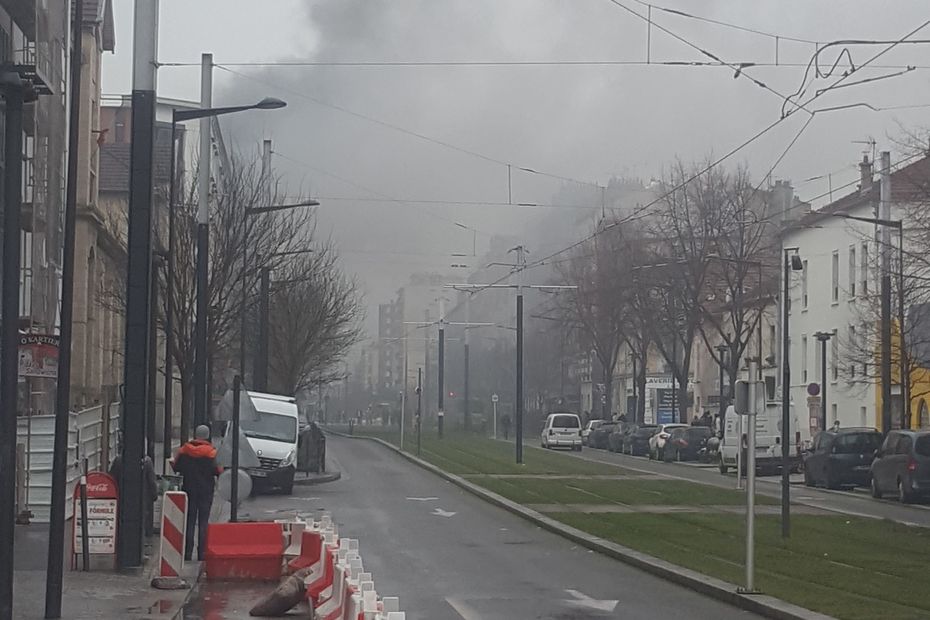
850, 568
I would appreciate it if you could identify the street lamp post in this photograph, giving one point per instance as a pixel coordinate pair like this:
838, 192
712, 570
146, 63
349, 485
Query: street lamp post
822, 338
792, 263
203, 231
721, 357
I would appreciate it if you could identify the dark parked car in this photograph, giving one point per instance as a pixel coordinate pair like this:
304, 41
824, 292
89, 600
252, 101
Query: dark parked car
615, 441
902, 466
841, 458
599, 436
687, 443
636, 442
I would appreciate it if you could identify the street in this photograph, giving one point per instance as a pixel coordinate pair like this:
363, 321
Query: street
856, 503
449, 555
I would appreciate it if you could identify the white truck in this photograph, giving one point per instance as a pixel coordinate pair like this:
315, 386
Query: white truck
273, 436
768, 439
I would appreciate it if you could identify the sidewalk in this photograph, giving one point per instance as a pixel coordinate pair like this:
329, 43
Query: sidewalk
99, 594
94, 595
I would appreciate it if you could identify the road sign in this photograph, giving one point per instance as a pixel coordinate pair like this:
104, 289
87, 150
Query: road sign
494, 398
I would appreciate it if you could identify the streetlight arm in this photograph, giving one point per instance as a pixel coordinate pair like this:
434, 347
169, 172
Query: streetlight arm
899, 224
271, 208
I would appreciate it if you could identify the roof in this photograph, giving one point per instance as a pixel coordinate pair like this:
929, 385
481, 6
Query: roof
101, 12
115, 162
909, 184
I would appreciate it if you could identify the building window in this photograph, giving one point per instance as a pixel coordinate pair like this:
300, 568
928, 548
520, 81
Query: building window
864, 269
864, 335
804, 359
773, 343
852, 271
854, 347
833, 417
834, 350
835, 287
862, 416
804, 285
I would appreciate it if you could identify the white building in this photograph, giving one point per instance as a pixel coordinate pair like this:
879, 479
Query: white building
834, 293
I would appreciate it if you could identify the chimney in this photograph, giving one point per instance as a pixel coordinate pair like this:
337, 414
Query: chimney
865, 176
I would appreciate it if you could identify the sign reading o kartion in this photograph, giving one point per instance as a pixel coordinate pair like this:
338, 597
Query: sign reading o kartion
38, 355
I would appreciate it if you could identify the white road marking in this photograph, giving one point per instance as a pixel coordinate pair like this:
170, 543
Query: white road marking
580, 599
463, 609
439, 512
422, 499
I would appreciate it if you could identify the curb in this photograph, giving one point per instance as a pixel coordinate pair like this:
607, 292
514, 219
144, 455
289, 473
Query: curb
317, 479
767, 606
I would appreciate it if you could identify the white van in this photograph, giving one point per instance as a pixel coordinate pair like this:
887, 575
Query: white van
768, 439
273, 437
562, 430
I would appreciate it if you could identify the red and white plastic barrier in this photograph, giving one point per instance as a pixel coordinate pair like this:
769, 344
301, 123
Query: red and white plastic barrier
173, 530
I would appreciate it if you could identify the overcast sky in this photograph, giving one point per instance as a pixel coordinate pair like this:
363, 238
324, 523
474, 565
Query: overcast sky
584, 122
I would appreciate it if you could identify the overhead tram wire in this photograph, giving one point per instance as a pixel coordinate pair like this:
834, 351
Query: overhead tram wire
718, 22
386, 64
410, 132
739, 71
379, 196
640, 212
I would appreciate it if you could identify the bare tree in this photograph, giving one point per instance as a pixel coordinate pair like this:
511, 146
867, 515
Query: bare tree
315, 317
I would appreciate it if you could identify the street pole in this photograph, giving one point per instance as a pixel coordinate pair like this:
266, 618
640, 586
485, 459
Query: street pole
785, 404
260, 379
203, 243
885, 214
823, 337
518, 405
138, 283
419, 406
56, 532
751, 481
494, 407
675, 417
169, 303
440, 415
636, 419
467, 410
153, 374
721, 351
403, 398
234, 481
905, 378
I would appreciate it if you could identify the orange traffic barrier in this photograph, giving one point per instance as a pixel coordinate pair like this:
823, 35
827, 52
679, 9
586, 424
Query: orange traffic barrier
244, 551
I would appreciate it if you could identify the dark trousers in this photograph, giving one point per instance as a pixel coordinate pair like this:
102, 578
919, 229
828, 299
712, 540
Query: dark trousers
198, 515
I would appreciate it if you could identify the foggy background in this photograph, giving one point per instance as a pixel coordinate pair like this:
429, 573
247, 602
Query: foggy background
589, 123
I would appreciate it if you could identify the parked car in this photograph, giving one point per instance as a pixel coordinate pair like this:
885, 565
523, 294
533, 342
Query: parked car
687, 444
636, 442
657, 441
902, 466
599, 436
561, 430
589, 428
841, 458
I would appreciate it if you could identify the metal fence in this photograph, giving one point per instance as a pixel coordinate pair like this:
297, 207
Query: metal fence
92, 434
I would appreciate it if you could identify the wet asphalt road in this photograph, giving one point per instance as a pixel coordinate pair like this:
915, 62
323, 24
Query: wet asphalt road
449, 555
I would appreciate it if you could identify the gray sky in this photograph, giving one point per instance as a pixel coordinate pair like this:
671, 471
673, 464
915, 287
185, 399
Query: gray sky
583, 122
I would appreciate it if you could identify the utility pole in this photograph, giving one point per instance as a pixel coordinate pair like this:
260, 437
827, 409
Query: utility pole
138, 283
260, 379
518, 397
419, 406
885, 214
56, 532
203, 243
751, 412
442, 362
822, 338
467, 410
403, 398
792, 263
